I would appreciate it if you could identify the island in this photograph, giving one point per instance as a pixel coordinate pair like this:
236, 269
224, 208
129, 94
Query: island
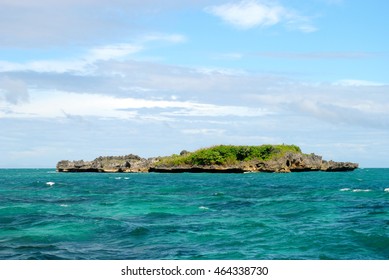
215, 159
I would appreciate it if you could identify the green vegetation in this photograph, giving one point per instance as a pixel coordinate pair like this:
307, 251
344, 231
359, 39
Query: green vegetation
228, 155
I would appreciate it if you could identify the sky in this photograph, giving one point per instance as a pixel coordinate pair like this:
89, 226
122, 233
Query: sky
86, 78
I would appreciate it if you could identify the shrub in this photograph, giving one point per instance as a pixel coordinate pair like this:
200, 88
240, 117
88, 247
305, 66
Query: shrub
228, 155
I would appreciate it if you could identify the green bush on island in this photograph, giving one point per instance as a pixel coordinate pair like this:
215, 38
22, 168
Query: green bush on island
228, 155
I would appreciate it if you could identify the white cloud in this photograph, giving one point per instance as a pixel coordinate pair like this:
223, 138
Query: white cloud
47, 23
42, 23
357, 83
211, 110
112, 52
171, 38
204, 131
85, 63
208, 71
13, 91
60, 104
349, 105
248, 14
44, 66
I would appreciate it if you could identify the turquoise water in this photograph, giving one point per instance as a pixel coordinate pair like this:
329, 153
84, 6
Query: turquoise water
317, 215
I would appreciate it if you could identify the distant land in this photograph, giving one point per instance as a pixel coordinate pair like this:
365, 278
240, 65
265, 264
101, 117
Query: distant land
216, 159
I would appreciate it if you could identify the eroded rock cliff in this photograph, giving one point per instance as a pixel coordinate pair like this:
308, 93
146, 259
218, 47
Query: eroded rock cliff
129, 163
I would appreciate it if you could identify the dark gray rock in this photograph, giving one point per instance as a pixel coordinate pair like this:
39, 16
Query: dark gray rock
129, 163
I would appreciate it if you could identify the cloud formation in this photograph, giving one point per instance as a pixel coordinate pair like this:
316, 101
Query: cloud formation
110, 85
84, 63
57, 104
247, 14
44, 23
13, 91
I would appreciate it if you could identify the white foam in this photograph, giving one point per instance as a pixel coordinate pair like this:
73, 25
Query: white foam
361, 190
50, 183
345, 189
203, 208
118, 178
386, 190
64, 205
126, 178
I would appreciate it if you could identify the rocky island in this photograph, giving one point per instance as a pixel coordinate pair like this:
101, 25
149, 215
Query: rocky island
216, 159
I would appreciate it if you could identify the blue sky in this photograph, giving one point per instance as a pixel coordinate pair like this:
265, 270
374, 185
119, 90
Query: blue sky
80, 79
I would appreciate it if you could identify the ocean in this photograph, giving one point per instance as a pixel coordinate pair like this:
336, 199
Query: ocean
295, 216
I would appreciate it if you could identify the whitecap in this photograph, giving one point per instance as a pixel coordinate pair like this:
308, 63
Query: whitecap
203, 208
361, 190
126, 178
386, 190
64, 205
50, 183
118, 178
344, 189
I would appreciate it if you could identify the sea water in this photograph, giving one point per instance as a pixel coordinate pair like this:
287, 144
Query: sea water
312, 215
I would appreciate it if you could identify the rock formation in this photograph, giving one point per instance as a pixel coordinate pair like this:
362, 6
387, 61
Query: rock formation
280, 162
290, 162
130, 163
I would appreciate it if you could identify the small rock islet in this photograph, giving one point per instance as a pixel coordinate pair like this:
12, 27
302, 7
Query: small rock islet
216, 159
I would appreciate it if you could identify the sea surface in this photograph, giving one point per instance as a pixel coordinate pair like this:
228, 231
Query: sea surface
312, 215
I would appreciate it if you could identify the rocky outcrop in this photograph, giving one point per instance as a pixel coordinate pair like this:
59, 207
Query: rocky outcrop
332, 166
129, 163
289, 162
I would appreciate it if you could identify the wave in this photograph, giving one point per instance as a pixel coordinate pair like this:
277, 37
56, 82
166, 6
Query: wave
361, 190
120, 178
355, 190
